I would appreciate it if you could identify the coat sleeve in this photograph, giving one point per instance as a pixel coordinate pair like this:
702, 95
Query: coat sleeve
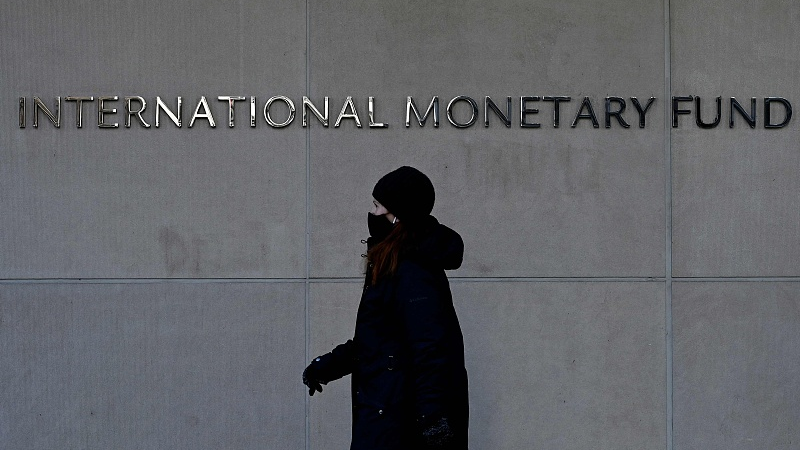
420, 308
338, 363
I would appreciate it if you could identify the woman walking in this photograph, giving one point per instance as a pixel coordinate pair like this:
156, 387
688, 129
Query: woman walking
409, 384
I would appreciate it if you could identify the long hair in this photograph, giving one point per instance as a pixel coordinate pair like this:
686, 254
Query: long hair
384, 257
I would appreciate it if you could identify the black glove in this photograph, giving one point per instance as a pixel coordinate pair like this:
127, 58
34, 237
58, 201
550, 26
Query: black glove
312, 377
437, 433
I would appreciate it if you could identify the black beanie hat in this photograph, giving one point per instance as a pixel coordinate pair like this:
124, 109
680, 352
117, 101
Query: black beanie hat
406, 192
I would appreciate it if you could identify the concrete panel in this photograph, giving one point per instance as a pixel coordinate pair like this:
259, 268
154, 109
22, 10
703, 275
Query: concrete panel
332, 309
565, 365
151, 366
551, 365
736, 208
166, 202
736, 366
529, 202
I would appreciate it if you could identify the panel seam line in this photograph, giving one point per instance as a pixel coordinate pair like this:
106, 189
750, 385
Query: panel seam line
307, 402
668, 332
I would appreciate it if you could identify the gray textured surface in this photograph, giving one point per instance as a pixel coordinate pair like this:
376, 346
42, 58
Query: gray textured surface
121, 203
737, 365
551, 365
736, 202
332, 310
539, 202
151, 366
565, 365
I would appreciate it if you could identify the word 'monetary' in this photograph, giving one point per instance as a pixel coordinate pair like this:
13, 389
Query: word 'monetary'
461, 111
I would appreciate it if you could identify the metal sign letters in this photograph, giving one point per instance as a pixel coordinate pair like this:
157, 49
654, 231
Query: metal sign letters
461, 111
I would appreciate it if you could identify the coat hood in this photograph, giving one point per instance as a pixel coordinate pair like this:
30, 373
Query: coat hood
438, 246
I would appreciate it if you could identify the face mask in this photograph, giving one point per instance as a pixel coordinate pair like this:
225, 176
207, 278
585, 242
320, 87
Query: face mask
379, 226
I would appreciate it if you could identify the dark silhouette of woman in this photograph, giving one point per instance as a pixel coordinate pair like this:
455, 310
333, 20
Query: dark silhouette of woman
409, 384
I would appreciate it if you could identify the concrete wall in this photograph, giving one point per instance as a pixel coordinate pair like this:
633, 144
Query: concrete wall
622, 287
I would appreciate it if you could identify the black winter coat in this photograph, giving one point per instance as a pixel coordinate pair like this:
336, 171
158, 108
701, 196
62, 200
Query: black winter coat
407, 355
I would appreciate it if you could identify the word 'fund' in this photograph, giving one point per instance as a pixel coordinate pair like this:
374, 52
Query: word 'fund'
461, 111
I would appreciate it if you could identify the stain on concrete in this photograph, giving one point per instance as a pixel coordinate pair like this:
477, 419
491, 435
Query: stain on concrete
182, 256
174, 250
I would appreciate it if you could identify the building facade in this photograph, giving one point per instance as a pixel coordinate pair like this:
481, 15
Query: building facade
184, 188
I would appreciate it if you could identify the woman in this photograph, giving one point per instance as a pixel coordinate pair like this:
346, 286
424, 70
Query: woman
409, 384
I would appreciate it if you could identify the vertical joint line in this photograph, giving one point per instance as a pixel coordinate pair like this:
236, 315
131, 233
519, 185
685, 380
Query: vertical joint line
241, 46
307, 292
668, 224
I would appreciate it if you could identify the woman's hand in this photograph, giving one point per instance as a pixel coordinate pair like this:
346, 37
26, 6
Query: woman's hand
312, 377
